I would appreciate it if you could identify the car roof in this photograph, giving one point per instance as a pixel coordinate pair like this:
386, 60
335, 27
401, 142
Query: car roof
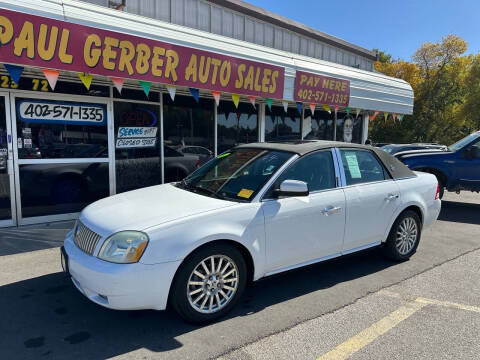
396, 168
300, 147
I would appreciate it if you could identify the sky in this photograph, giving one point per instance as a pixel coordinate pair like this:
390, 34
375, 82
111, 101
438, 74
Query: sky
397, 27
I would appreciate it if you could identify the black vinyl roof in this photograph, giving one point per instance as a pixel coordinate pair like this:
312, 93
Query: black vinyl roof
395, 167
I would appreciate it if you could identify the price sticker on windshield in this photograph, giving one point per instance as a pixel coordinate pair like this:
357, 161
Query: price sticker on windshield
245, 193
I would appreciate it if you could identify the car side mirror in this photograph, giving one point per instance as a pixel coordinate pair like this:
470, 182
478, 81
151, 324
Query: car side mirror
291, 188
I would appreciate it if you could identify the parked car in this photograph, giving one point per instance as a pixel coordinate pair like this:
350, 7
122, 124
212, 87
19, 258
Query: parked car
203, 153
256, 210
457, 168
397, 148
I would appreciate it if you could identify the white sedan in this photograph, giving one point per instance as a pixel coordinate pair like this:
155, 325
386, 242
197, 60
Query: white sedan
257, 210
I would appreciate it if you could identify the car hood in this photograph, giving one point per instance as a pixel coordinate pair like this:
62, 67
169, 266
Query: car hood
416, 153
147, 207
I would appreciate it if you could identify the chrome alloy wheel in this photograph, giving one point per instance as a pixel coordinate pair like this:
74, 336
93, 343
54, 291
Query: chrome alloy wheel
407, 234
212, 284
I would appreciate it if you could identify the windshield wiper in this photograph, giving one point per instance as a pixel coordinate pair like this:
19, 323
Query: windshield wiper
196, 188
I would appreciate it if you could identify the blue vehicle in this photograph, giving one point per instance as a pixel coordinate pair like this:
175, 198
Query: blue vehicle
457, 168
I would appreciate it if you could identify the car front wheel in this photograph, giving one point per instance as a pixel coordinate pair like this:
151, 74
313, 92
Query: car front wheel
402, 242
209, 283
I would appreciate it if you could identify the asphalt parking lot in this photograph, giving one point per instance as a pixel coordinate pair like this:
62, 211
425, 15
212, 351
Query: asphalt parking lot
361, 306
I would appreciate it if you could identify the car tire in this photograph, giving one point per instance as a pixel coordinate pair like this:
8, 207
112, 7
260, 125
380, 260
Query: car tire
404, 236
202, 300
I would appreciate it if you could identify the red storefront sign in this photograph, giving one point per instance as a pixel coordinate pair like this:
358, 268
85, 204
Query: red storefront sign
38, 41
323, 90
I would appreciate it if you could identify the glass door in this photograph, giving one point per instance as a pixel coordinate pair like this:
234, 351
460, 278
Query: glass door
7, 204
61, 153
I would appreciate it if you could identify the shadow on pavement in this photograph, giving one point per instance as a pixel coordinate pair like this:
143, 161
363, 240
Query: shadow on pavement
48, 316
460, 212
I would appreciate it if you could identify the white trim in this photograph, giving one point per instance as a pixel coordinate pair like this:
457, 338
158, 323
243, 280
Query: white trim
10, 163
162, 155
111, 147
261, 122
366, 121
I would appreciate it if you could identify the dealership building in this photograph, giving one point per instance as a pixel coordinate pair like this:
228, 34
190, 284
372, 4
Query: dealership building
104, 96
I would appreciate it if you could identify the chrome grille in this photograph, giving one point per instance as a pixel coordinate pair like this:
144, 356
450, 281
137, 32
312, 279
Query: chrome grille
86, 239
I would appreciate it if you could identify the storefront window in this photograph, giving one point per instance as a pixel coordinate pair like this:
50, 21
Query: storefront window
236, 126
349, 128
188, 134
318, 127
137, 145
49, 189
281, 126
48, 129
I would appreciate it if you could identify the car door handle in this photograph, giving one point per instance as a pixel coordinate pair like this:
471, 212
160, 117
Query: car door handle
391, 197
331, 210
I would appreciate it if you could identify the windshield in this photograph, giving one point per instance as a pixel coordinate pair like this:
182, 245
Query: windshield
236, 175
465, 141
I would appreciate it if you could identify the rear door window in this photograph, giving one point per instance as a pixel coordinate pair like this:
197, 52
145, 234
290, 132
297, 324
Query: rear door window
361, 166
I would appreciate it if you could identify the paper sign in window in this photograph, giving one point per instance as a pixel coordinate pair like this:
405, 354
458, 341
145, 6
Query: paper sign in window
352, 164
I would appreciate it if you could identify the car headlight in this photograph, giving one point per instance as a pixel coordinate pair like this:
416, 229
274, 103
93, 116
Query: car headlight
124, 247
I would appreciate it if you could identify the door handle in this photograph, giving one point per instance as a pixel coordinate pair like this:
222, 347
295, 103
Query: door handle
331, 210
391, 197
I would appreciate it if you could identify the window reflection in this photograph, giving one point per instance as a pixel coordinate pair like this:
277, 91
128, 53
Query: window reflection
49, 189
236, 126
41, 134
318, 127
188, 134
281, 126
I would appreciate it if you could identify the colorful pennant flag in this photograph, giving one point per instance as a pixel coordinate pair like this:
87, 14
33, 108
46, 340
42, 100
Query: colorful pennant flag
51, 76
327, 108
14, 71
400, 117
285, 106
394, 116
216, 96
252, 100
299, 107
118, 82
357, 112
312, 108
347, 109
336, 109
269, 103
146, 85
372, 117
385, 114
172, 90
236, 99
86, 79
195, 94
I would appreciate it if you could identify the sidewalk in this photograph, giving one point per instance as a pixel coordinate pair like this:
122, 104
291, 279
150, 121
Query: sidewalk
28, 238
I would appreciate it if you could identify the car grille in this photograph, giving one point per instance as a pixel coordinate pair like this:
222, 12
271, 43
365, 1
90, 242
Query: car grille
86, 239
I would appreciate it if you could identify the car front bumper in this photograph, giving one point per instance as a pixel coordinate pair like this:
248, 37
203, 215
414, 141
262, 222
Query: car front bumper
119, 286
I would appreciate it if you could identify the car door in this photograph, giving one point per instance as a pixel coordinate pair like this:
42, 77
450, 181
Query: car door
305, 228
468, 167
372, 198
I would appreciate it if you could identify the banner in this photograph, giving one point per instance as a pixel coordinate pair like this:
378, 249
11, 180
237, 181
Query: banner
321, 89
38, 41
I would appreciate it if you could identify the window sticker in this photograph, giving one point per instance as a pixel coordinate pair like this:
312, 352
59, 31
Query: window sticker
352, 164
223, 155
245, 193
